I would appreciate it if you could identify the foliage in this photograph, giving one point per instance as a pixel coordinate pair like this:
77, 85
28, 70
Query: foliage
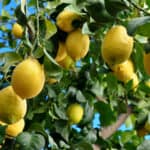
91, 83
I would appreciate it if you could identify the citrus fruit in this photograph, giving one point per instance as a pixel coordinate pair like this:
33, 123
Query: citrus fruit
12, 130
123, 71
147, 63
77, 44
12, 107
62, 51
28, 78
67, 62
17, 30
75, 113
117, 45
65, 20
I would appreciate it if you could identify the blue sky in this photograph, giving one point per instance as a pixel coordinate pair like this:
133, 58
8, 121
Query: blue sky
96, 121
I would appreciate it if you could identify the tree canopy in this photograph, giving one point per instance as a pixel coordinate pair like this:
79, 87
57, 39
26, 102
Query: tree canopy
87, 79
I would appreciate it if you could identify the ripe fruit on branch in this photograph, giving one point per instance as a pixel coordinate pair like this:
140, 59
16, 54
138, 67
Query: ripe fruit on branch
28, 78
117, 45
12, 130
17, 30
12, 107
147, 63
75, 113
65, 20
123, 71
62, 58
77, 44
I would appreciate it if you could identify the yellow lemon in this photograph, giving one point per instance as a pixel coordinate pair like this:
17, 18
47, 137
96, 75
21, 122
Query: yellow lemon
12, 107
62, 52
124, 71
77, 44
117, 45
75, 113
12, 130
65, 20
66, 62
28, 78
135, 81
147, 63
17, 30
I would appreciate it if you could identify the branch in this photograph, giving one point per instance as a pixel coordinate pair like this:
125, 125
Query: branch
106, 132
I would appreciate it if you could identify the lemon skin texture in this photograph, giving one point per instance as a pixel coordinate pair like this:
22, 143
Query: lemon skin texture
65, 20
147, 63
28, 78
12, 130
17, 30
123, 71
77, 44
75, 113
12, 107
117, 45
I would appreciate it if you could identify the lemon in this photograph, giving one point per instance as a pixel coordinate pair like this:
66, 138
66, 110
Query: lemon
66, 62
12, 130
75, 113
17, 30
65, 20
147, 63
28, 78
135, 81
62, 51
124, 71
12, 107
77, 44
117, 45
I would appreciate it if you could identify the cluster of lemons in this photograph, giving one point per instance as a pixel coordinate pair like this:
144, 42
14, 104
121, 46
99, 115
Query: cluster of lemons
76, 44
116, 49
27, 81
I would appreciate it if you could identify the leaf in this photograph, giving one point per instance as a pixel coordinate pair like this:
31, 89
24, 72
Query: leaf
148, 3
52, 69
23, 4
2, 133
50, 29
80, 97
139, 25
30, 141
6, 2
83, 145
8, 59
62, 128
144, 146
52, 143
106, 114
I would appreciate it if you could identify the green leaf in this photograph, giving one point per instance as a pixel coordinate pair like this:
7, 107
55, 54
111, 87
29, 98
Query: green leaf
148, 3
30, 141
9, 59
6, 2
144, 146
106, 113
52, 69
2, 133
80, 97
139, 25
50, 29
83, 145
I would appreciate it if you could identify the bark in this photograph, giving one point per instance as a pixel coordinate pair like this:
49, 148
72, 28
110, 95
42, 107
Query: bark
106, 132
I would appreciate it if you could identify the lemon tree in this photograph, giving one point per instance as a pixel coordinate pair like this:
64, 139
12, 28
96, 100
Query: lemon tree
65, 62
